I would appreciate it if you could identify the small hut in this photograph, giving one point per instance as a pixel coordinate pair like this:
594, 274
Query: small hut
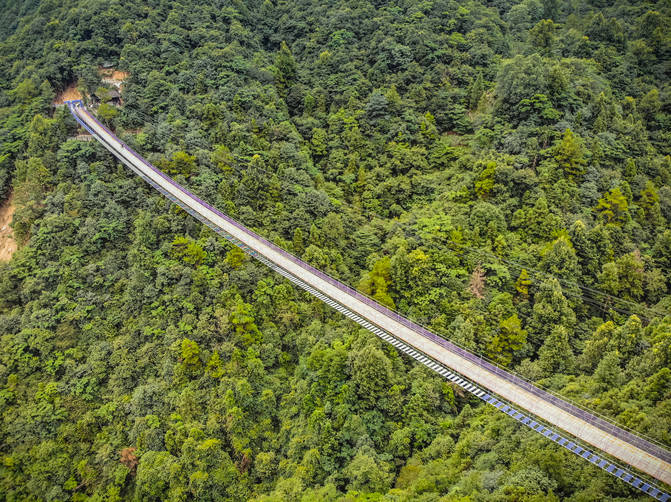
115, 97
104, 95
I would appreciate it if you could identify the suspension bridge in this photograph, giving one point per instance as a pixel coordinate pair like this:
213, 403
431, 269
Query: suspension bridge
597, 440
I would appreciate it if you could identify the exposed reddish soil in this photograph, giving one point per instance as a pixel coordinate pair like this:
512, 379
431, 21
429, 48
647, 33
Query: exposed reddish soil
120, 75
69, 93
7, 242
112, 76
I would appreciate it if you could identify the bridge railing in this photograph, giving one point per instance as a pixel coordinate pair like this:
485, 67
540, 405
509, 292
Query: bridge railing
588, 416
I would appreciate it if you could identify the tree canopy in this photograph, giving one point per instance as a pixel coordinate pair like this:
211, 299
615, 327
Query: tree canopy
497, 171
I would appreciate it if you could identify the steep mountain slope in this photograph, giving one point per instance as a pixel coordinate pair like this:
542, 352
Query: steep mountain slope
498, 171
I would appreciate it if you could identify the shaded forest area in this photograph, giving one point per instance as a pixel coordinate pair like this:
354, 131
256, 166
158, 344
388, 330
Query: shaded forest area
498, 171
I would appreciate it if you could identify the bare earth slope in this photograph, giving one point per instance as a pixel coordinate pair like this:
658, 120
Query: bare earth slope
7, 242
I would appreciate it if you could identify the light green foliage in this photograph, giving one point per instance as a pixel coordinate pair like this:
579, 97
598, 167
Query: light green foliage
542, 35
475, 91
214, 368
319, 141
624, 277
376, 282
25, 90
485, 181
570, 154
613, 207
298, 242
223, 159
242, 320
180, 163
650, 104
191, 354
539, 107
556, 355
235, 258
559, 258
649, 203
658, 385
286, 68
463, 332
427, 128
371, 374
183, 163
158, 477
188, 250
551, 308
509, 339
107, 113
608, 373
537, 222
522, 283
368, 474
266, 465
44, 135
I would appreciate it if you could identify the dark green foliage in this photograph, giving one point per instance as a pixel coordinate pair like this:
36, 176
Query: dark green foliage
475, 165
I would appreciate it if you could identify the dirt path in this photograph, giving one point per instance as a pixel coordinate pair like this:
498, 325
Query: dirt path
70, 92
7, 242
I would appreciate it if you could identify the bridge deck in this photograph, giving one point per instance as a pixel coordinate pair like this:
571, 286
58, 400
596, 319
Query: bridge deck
619, 443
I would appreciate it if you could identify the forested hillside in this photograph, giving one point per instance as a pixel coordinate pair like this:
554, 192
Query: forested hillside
498, 171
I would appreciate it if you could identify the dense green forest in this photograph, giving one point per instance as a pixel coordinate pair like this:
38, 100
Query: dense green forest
499, 171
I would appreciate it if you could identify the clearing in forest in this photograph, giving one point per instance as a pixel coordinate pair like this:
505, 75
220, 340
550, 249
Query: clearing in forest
113, 77
69, 93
